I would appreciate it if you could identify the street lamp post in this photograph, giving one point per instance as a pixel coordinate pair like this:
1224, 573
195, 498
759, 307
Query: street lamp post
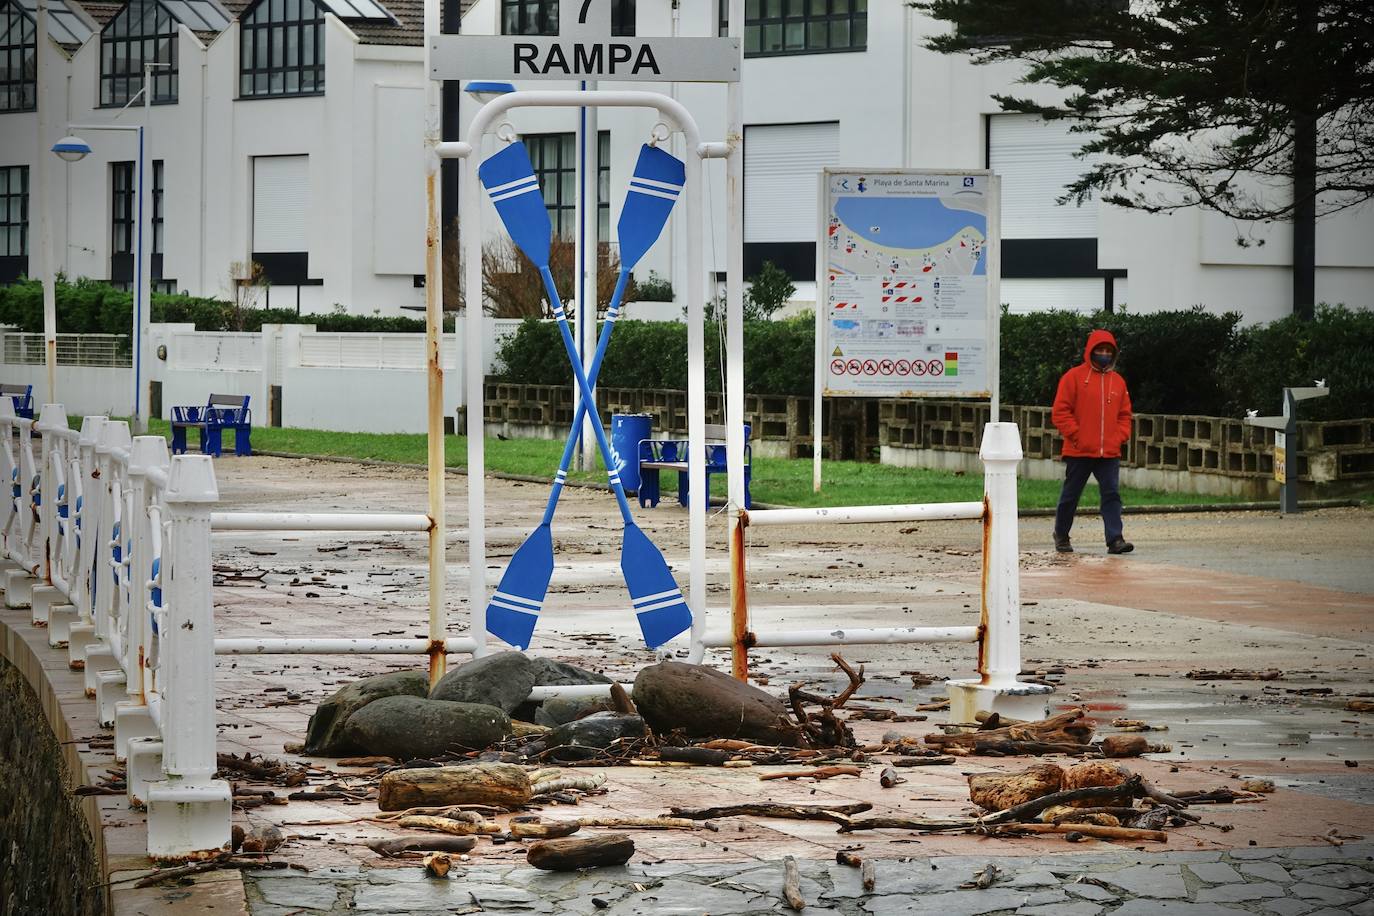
72, 148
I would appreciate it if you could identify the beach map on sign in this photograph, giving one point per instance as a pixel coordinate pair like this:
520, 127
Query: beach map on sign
905, 294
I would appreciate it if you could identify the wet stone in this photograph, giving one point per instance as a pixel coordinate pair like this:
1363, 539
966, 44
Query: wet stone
1090, 892
1330, 896
674, 896
1266, 871
949, 903
1157, 882
1175, 908
1334, 874
1235, 893
1288, 906
289, 892
1034, 878
1077, 908
400, 897
1215, 872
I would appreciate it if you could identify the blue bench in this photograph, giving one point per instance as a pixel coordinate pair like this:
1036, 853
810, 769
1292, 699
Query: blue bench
221, 412
22, 395
671, 455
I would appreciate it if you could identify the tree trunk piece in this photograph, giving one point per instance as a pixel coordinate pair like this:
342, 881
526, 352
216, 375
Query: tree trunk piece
501, 784
581, 852
791, 884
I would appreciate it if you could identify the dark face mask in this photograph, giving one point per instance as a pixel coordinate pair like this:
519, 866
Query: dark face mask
1102, 360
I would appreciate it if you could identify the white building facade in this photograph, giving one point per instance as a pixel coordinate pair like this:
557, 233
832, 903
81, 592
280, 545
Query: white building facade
289, 134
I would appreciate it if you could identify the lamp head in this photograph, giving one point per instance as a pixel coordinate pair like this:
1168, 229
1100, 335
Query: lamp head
71, 148
487, 91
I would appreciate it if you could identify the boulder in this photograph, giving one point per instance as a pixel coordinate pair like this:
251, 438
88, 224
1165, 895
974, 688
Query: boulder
557, 710
582, 739
550, 673
705, 703
409, 727
324, 736
502, 679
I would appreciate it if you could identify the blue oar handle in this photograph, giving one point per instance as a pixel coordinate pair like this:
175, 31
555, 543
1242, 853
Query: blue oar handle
587, 395
592, 373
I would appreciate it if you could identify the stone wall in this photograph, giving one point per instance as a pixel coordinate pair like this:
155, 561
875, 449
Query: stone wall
48, 860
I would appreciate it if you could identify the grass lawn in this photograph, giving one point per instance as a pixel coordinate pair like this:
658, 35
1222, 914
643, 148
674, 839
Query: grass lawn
775, 480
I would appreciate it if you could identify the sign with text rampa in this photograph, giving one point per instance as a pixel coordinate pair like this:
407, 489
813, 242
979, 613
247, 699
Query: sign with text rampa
904, 308
584, 49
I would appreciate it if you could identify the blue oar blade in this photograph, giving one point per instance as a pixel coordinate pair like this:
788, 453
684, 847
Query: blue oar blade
659, 604
515, 606
509, 179
654, 188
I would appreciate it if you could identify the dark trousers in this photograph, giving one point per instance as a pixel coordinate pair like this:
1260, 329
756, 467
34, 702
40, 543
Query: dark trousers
1076, 474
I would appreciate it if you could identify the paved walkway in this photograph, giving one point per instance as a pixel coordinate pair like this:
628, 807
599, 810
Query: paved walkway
1124, 628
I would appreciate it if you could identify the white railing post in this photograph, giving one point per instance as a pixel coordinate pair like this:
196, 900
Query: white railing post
7, 509
86, 522
132, 716
190, 812
52, 425
999, 656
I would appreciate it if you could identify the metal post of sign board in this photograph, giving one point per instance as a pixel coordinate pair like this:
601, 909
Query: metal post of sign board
1286, 443
907, 287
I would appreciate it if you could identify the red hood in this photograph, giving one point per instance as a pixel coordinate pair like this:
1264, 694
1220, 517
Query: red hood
1101, 337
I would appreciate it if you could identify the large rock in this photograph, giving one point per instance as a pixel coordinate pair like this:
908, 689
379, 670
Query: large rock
582, 739
411, 727
502, 680
557, 710
704, 703
324, 736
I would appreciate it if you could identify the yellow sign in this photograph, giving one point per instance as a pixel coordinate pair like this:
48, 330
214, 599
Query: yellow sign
1280, 458
838, 352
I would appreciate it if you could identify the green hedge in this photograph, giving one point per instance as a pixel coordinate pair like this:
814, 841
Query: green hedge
1188, 362
93, 307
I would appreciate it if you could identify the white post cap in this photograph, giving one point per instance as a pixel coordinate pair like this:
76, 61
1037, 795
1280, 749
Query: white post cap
1001, 442
192, 480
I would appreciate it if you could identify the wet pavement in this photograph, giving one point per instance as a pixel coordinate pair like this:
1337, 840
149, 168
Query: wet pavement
1237, 590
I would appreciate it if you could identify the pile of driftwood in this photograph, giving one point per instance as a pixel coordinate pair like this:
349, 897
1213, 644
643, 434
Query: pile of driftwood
1069, 733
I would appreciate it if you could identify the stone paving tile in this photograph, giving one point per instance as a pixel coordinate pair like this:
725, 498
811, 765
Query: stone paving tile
1157, 882
308, 895
1215, 872
1287, 906
1330, 896
1235, 893
1078, 908
949, 903
1267, 871
1091, 892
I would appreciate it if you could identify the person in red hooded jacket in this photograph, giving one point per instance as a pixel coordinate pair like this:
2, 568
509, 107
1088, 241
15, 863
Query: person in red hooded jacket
1092, 411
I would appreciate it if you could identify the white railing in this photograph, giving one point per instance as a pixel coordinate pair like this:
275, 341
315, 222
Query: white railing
117, 535
998, 631
104, 350
226, 350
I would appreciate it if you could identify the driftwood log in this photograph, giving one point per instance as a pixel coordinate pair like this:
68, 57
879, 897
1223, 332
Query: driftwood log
1069, 729
839, 814
535, 828
581, 852
1094, 773
998, 791
936, 761
402, 844
500, 784
818, 773
1092, 830
791, 884
1132, 788
450, 826
701, 756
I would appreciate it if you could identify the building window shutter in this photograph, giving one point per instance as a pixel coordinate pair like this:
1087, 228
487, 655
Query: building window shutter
281, 202
781, 162
1036, 161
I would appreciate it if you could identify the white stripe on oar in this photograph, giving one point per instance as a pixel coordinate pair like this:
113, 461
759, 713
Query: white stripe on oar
655, 183
672, 602
668, 594
650, 192
502, 188
497, 198
519, 599
512, 607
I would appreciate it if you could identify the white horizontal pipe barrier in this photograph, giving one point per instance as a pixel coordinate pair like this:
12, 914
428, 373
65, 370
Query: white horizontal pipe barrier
539, 694
320, 521
845, 515
326, 646
848, 636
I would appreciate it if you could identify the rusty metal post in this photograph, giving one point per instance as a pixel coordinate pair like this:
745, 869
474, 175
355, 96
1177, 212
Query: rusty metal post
434, 305
741, 638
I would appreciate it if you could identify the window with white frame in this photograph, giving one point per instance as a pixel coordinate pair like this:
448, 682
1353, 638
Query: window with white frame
540, 17
281, 49
774, 28
554, 157
14, 211
144, 32
18, 87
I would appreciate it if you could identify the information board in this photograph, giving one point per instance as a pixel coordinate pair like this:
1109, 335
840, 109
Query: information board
904, 305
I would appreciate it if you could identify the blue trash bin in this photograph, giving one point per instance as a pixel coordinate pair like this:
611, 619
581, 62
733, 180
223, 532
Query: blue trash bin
627, 429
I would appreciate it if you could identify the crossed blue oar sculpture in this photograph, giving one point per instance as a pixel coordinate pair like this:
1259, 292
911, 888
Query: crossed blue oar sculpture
658, 602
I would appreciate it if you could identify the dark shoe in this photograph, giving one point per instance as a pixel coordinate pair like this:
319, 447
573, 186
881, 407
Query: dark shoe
1061, 543
1120, 545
